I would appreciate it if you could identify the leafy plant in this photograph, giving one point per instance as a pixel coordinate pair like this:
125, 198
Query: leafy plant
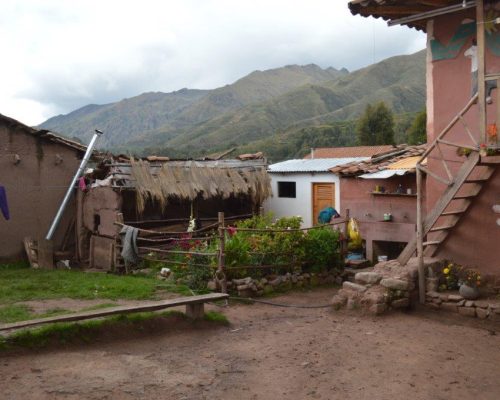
322, 248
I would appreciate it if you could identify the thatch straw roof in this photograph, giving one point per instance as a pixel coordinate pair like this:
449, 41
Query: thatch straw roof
192, 179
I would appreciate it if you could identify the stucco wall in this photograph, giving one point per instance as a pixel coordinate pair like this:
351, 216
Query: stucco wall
302, 204
369, 209
35, 188
474, 241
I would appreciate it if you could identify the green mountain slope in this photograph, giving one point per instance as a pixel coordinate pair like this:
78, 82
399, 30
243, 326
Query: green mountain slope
399, 81
171, 112
261, 105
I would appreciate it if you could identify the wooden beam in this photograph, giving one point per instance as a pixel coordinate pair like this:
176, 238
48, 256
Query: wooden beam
481, 70
150, 306
396, 10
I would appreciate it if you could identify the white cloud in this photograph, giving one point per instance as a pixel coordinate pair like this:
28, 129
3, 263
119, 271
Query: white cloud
65, 54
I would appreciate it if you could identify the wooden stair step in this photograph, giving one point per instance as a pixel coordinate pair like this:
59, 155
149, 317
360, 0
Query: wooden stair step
464, 196
442, 228
496, 208
432, 242
454, 212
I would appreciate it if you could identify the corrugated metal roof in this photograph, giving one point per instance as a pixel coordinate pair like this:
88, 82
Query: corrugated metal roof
315, 165
384, 174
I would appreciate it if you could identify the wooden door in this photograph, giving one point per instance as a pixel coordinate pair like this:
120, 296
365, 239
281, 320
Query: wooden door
323, 196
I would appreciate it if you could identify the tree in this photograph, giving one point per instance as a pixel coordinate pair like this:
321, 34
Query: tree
376, 125
417, 133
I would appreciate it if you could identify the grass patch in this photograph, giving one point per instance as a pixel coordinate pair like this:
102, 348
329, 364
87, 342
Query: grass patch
86, 331
18, 283
215, 316
21, 312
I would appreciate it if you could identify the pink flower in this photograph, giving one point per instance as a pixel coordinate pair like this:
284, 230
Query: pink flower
231, 230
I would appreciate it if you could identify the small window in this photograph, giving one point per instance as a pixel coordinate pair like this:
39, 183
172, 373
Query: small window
286, 189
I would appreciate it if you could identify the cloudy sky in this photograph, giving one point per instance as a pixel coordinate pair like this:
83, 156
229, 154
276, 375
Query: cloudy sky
59, 55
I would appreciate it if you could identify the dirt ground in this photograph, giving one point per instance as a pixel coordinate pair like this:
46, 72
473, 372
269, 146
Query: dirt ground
273, 353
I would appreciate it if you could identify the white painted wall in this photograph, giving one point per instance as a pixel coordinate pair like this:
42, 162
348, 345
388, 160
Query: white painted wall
302, 204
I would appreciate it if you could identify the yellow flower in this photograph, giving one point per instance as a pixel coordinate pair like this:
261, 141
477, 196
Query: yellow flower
446, 271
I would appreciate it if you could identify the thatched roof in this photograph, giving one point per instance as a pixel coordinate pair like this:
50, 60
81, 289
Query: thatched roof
188, 180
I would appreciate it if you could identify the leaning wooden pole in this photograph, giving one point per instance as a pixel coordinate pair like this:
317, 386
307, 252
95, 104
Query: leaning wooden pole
420, 238
221, 275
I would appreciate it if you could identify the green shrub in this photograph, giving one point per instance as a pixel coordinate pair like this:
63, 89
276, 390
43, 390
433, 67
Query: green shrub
322, 249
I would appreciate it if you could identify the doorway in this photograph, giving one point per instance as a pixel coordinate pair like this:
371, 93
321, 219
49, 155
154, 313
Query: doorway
323, 195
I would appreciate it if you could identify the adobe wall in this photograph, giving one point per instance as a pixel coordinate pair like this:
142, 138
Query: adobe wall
369, 209
35, 188
448, 91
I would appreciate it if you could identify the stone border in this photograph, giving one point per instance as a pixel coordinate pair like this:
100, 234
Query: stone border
454, 303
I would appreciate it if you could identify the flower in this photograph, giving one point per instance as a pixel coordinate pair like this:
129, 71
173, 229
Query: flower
446, 271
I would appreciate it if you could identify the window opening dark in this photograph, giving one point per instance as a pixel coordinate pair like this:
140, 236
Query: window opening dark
287, 189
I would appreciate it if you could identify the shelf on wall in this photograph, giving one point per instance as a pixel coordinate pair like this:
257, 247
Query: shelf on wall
394, 194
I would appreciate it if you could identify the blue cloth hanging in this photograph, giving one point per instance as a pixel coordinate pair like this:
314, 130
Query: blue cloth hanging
4, 207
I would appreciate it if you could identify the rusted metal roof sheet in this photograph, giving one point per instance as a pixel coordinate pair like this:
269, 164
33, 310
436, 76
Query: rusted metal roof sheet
380, 162
345, 152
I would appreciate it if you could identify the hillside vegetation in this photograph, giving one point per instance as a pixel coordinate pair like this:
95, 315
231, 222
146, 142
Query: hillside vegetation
262, 105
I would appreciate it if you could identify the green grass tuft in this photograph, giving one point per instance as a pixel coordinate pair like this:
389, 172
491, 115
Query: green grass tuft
215, 316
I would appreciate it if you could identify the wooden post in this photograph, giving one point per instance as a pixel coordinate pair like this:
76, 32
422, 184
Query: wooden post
420, 246
481, 83
345, 242
221, 255
46, 253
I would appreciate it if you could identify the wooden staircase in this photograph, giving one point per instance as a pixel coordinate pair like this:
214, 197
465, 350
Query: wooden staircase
462, 188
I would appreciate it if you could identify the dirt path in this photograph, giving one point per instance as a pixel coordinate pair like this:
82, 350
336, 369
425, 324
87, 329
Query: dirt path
273, 353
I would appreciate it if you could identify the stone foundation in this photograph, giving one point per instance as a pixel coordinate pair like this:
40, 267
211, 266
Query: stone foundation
256, 287
482, 309
389, 286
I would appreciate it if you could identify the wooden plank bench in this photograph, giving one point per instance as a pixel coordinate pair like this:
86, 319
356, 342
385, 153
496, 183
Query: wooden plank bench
194, 309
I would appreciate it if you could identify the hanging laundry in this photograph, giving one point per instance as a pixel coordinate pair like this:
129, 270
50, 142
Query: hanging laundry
4, 207
81, 184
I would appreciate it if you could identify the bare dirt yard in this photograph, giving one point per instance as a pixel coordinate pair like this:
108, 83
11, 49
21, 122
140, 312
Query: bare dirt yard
271, 353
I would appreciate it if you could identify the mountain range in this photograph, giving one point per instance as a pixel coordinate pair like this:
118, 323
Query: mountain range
252, 109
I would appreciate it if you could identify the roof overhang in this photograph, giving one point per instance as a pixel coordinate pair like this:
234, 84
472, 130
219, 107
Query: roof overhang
413, 13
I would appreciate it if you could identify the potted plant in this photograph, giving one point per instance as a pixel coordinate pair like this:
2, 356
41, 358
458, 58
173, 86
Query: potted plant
470, 281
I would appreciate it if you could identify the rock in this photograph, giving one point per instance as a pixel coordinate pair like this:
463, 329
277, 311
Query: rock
469, 303
454, 297
449, 306
467, 311
396, 284
373, 297
338, 280
245, 293
482, 313
244, 281
353, 286
268, 289
211, 285
352, 303
367, 277
461, 303
242, 287
401, 303
378, 308
260, 293
443, 296
275, 282
338, 302
263, 281
432, 294
437, 300
494, 317
481, 303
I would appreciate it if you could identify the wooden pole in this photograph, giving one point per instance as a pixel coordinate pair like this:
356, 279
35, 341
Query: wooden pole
481, 70
220, 260
420, 247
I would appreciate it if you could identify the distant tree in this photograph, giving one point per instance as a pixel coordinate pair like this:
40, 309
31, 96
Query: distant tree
417, 133
376, 126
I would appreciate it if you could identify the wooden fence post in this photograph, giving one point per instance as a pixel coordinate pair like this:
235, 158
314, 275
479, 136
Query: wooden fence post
221, 255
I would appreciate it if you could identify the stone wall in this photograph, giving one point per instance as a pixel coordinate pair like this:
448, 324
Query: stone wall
388, 286
454, 303
256, 287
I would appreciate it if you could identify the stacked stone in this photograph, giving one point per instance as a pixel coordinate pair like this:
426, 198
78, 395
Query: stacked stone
255, 287
389, 286
482, 309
